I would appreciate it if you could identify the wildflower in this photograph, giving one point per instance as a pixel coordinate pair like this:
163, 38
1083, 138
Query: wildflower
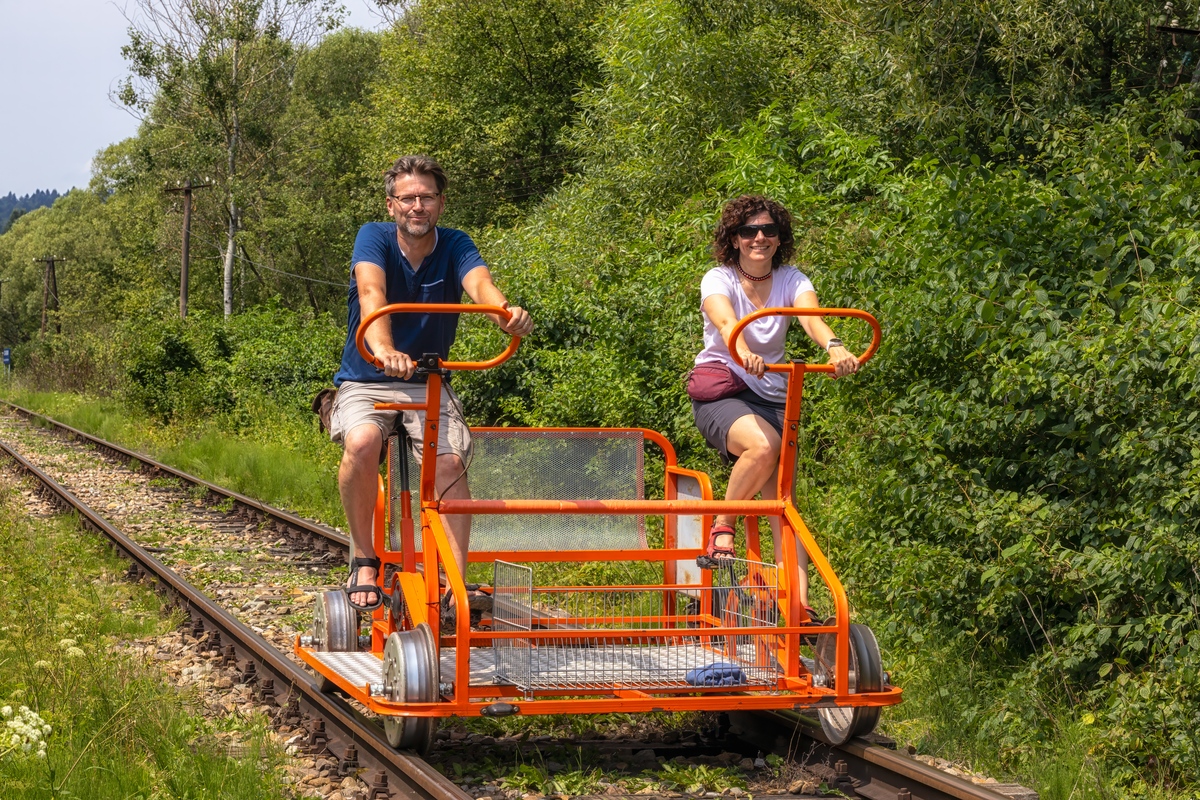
6, 712
23, 734
74, 652
65, 643
42, 664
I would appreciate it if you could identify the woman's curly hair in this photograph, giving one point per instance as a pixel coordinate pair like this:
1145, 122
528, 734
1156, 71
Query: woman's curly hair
737, 212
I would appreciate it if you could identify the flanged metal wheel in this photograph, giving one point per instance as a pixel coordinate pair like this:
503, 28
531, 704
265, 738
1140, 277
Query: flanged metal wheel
410, 675
866, 675
335, 629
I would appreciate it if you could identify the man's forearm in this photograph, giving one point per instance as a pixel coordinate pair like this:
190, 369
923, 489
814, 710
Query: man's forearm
483, 291
379, 335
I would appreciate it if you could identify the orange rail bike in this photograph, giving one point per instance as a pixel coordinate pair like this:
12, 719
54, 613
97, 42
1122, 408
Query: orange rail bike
597, 603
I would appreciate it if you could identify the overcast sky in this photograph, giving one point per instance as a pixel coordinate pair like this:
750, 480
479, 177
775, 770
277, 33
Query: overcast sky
59, 59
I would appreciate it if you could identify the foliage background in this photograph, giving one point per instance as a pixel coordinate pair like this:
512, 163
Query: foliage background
1010, 489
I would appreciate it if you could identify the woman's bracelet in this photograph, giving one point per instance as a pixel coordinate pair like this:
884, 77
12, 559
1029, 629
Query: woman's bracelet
832, 343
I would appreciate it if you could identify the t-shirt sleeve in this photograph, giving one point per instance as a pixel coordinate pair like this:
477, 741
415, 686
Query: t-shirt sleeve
464, 255
715, 281
369, 246
802, 285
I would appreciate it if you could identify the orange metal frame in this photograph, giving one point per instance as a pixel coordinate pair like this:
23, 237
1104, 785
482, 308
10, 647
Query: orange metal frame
795, 687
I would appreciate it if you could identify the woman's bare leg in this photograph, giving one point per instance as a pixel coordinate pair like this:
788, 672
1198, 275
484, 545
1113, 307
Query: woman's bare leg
755, 444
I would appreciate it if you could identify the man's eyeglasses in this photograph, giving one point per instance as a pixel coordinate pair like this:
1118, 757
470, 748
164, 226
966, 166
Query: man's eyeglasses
749, 232
410, 200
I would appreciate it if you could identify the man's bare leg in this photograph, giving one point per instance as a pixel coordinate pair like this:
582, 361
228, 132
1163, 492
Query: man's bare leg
358, 484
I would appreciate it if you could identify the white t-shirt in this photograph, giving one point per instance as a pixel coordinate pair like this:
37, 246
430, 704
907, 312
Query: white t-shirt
767, 337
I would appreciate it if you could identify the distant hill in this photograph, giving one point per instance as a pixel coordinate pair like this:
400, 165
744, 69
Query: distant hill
10, 203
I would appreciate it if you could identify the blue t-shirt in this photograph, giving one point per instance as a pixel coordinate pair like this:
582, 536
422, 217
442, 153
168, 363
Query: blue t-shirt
439, 280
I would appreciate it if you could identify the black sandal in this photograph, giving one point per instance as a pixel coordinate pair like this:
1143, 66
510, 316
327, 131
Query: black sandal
477, 603
364, 588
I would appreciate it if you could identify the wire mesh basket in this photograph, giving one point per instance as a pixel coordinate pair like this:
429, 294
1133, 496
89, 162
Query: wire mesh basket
638, 637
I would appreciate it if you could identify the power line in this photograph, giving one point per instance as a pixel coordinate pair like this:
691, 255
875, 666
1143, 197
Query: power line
257, 265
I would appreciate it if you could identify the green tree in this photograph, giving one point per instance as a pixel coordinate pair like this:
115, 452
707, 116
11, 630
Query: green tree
488, 90
218, 71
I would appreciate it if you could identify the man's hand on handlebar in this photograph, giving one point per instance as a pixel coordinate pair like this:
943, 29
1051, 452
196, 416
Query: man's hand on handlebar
396, 364
519, 324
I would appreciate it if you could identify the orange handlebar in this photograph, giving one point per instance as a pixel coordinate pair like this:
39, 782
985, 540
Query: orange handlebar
360, 338
876, 334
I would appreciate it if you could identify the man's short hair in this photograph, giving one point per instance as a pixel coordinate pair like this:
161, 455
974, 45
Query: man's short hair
415, 165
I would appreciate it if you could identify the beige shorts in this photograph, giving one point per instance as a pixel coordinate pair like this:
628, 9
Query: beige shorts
355, 406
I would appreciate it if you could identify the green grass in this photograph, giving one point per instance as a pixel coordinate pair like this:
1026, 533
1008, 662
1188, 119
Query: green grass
282, 461
117, 729
960, 709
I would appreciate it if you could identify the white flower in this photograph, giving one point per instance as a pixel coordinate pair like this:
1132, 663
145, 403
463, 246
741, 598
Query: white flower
74, 652
65, 643
22, 732
42, 665
6, 712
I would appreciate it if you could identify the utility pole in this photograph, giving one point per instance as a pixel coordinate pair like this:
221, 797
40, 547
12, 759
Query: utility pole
4, 322
186, 189
50, 290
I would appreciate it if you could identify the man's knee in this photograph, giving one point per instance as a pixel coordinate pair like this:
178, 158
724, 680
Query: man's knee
362, 444
451, 474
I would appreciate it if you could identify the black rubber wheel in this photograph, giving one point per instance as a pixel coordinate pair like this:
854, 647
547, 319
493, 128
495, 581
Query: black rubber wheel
335, 629
840, 725
410, 675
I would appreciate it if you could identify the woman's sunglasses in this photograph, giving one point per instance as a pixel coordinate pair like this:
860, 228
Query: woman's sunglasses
748, 232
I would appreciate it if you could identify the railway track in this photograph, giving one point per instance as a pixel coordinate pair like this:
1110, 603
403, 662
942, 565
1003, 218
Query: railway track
235, 531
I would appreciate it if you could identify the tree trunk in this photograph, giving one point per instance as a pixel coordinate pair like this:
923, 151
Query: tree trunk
231, 236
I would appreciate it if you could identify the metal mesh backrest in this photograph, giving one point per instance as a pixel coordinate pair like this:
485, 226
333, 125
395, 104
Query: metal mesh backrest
525, 464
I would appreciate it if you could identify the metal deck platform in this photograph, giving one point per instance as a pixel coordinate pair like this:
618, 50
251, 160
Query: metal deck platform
664, 666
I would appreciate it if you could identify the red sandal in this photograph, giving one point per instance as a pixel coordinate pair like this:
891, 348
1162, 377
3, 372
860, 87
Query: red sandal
709, 559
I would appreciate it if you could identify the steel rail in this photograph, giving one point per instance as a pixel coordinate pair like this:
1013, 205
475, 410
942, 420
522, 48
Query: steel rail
859, 768
321, 535
335, 728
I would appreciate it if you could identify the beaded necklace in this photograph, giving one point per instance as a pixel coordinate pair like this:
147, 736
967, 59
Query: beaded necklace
752, 278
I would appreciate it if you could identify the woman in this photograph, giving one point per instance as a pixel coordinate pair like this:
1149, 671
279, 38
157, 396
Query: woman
740, 410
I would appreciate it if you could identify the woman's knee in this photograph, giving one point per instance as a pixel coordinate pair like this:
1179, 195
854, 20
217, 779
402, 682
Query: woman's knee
752, 438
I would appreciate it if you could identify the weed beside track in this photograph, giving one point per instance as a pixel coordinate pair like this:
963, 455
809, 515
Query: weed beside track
117, 728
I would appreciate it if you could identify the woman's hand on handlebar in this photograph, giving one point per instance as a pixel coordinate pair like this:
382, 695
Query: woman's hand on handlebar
395, 363
843, 361
753, 363
519, 324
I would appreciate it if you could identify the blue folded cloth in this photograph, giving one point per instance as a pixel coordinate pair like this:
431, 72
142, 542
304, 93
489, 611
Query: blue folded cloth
718, 674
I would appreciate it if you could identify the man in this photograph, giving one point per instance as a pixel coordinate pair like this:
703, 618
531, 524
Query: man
410, 260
